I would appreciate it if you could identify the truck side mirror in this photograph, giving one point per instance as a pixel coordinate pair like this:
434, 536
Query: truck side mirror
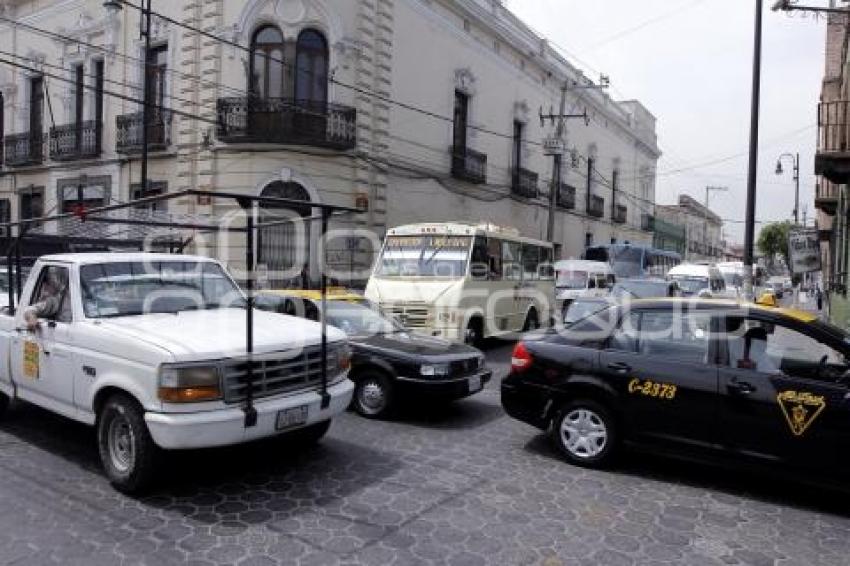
479, 271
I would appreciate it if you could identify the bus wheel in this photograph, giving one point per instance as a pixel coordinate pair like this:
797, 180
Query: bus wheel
475, 332
532, 322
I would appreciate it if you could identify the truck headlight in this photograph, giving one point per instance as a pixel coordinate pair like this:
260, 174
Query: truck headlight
434, 370
339, 359
189, 384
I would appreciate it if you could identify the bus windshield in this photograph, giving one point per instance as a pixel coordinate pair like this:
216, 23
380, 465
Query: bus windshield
425, 256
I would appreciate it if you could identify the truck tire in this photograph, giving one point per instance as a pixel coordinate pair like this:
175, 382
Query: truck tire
586, 434
309, 435
127, 451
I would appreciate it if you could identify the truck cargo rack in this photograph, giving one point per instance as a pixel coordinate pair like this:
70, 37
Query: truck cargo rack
94, 229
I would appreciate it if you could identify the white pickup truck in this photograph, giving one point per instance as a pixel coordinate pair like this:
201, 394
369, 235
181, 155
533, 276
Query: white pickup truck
151, 350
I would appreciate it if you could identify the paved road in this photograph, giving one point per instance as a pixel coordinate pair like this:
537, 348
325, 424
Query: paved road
463, 485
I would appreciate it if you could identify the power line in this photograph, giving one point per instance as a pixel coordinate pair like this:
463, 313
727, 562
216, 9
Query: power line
628, 31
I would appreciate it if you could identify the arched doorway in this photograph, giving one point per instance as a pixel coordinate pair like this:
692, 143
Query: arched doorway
285, 249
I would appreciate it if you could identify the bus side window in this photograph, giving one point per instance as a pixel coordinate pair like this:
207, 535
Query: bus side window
530, 262
511, 264
480, 265
494, 258
546, 268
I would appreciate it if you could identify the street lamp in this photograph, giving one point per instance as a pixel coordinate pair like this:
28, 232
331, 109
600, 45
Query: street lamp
113, 6
795, 159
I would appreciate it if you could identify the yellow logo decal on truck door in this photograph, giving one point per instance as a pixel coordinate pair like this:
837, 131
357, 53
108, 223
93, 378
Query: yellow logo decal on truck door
800, 408
31, 353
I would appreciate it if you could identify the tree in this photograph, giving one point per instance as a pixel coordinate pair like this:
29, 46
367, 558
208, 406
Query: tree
773, 241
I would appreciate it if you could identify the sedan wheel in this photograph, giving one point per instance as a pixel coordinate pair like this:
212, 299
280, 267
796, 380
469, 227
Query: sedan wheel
585, 433
373, 396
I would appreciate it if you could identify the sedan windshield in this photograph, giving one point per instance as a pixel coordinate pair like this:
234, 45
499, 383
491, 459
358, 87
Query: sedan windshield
134, 288
359, 320
579, 310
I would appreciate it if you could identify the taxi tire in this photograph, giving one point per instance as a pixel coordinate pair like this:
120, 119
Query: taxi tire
608, 454
141, 475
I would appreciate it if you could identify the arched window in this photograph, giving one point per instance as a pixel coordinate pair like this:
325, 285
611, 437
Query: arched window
267, 63
285, 248
311, 67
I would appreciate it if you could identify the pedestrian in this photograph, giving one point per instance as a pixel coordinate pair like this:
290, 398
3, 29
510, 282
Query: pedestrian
819, 295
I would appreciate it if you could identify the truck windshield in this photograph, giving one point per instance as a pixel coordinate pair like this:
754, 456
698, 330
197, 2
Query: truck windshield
133, 288
425, 256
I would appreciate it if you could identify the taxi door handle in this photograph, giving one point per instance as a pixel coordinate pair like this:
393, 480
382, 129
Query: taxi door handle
620, 367
741, 388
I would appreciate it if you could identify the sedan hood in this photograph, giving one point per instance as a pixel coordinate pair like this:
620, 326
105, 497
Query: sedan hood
220, 333
415, 345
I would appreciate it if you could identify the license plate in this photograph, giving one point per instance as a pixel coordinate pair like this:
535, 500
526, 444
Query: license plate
475, 384
289, 418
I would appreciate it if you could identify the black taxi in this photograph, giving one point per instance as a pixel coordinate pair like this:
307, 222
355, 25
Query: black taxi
692, 378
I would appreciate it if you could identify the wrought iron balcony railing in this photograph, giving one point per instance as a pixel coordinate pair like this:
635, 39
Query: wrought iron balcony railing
566, 197
72, 142
826, 196
128, 132
24, 149
596, 207
620, 214
469, 165
524, 183
286, 121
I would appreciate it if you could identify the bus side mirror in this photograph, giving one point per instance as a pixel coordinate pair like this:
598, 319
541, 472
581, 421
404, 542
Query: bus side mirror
479, 271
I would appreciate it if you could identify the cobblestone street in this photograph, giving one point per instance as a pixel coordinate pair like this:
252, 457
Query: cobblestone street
463, 485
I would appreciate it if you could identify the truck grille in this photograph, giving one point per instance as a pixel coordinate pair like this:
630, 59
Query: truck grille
274, 374
411, 316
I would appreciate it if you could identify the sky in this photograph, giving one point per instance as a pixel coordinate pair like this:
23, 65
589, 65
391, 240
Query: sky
690, 63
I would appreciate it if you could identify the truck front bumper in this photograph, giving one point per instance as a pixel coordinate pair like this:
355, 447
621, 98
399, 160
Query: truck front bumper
226, 427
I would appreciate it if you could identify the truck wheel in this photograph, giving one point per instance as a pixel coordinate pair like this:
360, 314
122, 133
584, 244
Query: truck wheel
373, 396
585, 433
309, 435
127, 451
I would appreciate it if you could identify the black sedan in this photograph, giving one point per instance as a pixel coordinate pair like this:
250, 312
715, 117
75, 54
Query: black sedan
390, 364
692, 378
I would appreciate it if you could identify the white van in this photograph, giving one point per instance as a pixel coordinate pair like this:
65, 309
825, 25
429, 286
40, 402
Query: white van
733, 274
578, 278
700, 280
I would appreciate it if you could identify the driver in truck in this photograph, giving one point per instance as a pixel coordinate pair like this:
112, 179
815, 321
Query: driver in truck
49, 300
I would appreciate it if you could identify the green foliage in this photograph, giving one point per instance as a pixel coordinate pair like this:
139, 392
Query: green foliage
773, 241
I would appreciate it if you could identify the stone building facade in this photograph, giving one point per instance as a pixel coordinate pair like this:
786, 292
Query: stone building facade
703, 229
414, 110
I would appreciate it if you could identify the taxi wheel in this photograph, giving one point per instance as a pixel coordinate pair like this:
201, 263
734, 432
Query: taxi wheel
127, 451
373, 396
585, 433
309, 435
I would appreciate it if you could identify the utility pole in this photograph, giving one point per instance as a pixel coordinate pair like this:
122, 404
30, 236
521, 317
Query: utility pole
796, 161
752, 175
556, 145
558, 159
708, 191
146, 11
